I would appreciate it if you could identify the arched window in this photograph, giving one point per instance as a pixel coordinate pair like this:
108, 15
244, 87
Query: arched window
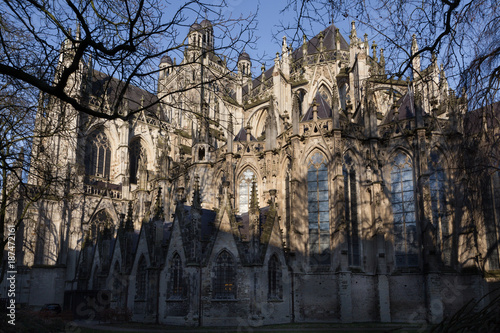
101, 223
97, 155
491, 208
137, 155
274, 278
318, 209
140, 282
351, 210
245, 190
325, 94
403, 209
176, 282
225, 277
343, 96
437, 184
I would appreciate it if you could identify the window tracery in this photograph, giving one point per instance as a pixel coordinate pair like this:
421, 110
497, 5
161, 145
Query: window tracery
245, 190
351, 210
97, 155
138, 156
403, 209
318, 209
225, 277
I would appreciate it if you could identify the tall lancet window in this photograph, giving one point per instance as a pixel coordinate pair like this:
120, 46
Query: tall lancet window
351, 210
437, 184
176, 279
245, 190
224, 277
275, 287
491, 208
318, 210
138, 156
97, 155
403, 209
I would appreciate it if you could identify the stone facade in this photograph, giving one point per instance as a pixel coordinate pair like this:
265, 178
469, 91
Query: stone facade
320, 190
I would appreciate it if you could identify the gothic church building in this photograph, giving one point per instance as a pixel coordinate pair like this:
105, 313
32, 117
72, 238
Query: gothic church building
319, 190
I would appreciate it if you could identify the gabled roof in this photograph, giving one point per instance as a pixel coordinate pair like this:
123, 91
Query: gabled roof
103, 85
244, 220
329, 43
474, 120
242, 136
406, 109
207, 220
324, 110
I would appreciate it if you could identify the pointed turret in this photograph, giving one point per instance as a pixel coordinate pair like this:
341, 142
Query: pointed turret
194, 224
158, 209
416, 58
285, 59
382, 62
271, 126
354, 35
254, 220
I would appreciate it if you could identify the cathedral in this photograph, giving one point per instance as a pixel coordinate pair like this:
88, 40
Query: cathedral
320, 190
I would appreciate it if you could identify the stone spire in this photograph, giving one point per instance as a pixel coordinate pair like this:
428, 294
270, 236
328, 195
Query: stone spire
196, 193
254, 200
129, 223
158, 210
374, 53
254, 221
354, 35
416, 58
382, 61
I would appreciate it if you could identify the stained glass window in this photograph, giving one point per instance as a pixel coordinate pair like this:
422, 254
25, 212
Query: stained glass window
351, 211
403, 209
437, 185
245, 190
137, 155
225, 277
274, 277
97, 155
176, 282
491, 207
318, 210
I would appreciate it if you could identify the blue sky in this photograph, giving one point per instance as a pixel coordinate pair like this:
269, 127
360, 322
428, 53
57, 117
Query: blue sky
269, 18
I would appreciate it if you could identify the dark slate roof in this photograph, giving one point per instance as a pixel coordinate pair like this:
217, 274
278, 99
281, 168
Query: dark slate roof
328, 43
207, 220
242, 136
166, 59
474, 121
312, 47
206, 23
257, 81
195, 26
324, 110
406, 109
102, 84
244, 56
245, 222
167, 232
